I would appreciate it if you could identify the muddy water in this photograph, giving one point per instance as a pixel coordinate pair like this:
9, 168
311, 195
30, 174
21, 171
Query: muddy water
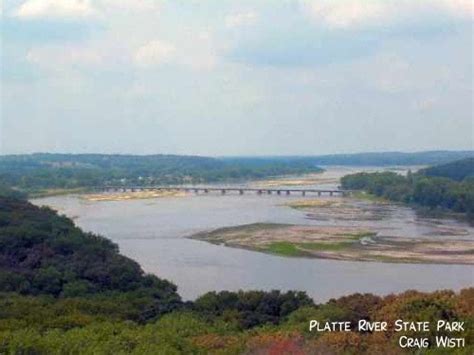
152, 232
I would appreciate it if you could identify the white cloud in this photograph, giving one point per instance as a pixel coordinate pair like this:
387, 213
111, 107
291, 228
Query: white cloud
82, 8
359, 13
55, 9
154, 53
240, 19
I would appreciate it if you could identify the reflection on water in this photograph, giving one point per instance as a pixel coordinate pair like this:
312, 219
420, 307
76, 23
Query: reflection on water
152, 232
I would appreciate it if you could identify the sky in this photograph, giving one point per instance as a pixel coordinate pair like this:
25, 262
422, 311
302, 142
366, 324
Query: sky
221, 77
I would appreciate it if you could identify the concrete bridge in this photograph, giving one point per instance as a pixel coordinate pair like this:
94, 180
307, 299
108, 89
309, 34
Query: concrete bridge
224, 190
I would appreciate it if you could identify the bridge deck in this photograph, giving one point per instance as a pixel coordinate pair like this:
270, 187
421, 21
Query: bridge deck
224, 189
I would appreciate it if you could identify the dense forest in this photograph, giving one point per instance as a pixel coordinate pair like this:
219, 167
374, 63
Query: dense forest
449, 186
458, 170
67, 171
42, 253
66, 291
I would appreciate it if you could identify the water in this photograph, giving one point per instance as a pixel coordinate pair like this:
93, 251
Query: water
152, 232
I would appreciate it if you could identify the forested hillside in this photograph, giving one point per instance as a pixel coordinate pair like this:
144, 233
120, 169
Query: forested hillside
425, 188
42, 253
47, 171
390, 158
457, 170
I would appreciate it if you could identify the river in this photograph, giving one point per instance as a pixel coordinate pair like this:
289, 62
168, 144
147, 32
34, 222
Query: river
152, 232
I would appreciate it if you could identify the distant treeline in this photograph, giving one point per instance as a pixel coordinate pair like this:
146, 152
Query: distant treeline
44, 171
449, 186
457, 170
64, 291
35, 172
384, 158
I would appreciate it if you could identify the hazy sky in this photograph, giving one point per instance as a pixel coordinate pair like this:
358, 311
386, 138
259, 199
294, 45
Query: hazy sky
236, 77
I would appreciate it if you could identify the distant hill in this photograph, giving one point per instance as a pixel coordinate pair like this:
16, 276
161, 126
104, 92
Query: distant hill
41, 171
51, 171
387, 158
456, 170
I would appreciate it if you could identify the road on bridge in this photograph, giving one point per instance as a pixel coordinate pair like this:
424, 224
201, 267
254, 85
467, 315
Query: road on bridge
224, 190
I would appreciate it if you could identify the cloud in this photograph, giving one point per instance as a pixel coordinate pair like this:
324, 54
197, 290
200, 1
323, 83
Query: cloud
346, 14
240, 19
154, 53
69, 9
74, 9
325, 32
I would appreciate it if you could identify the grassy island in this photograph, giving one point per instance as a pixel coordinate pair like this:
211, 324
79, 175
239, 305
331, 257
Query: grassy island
340, 243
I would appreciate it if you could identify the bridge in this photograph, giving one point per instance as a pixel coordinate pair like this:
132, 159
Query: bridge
224, 190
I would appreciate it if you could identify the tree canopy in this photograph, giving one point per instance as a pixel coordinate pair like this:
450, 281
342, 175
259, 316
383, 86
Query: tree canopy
420, 188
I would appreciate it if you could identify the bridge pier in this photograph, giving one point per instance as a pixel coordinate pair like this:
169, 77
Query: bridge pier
225, 190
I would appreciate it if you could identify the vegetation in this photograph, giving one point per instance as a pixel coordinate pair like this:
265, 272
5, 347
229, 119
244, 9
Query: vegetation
251, 308
421, 188
391, 158
52, 173
304, 249
6, 191
458, 170
42, 253
34, 325
67, 171
64, 291
284, 249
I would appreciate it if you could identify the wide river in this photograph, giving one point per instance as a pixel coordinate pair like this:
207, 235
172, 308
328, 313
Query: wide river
152, 232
